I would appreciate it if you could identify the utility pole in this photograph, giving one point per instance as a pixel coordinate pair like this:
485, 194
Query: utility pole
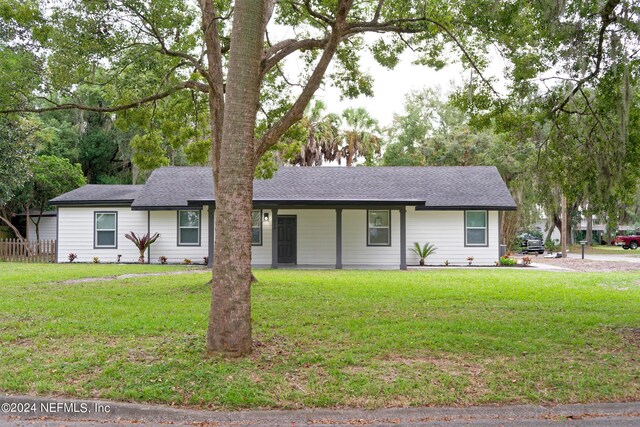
563, 231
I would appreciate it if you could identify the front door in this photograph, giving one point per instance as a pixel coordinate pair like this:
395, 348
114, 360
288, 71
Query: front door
287, 240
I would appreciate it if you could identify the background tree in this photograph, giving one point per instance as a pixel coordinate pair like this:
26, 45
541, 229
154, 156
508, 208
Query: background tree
50, 176
16, 154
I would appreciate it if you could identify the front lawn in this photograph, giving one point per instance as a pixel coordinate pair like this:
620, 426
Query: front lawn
328, 338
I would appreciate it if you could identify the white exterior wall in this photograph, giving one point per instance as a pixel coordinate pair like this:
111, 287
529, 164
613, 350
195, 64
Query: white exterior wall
47, 228
166, 223
316, 237
76, 233
354, 241
445, 230
261, 254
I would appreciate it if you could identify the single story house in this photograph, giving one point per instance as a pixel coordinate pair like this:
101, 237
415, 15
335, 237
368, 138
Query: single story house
309, 216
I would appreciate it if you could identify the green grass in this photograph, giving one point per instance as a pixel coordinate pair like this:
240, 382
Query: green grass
329, 338
604, 250
24, 274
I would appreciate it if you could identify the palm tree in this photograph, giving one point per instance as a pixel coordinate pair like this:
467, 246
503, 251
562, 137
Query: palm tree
362, 137
423, 251
322, 137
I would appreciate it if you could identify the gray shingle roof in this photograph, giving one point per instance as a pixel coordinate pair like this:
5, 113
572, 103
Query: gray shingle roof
98, 193
432, 187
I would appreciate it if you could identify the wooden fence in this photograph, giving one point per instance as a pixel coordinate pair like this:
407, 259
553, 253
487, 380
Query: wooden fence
13, 250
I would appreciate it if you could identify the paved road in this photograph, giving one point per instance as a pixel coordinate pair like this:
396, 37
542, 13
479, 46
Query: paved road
134, 415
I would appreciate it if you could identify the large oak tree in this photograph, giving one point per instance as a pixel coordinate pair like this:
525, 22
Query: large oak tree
234, 52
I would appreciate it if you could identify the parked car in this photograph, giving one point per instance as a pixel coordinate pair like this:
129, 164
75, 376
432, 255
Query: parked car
530, 243
627, 242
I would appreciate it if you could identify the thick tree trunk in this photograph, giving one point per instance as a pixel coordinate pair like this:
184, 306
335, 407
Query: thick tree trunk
589, 236
229, 330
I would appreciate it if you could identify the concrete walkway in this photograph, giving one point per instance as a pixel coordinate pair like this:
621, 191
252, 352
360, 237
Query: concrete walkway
80, 413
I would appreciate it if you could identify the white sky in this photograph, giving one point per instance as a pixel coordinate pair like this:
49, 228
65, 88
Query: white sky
391, 86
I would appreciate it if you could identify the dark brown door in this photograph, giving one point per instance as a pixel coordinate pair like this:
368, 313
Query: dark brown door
287, 240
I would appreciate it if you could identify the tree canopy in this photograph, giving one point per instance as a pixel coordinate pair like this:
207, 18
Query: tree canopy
229, 57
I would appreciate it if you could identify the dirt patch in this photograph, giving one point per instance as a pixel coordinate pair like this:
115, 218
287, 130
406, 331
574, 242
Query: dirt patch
127, 276
587, 265
631, 335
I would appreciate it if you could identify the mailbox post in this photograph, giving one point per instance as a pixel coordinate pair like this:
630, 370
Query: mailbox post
582, 243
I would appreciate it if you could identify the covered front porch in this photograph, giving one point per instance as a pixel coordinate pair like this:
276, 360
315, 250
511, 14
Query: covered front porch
336, 237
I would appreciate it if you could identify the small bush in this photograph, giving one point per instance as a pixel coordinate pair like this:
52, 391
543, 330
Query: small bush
506, 261
187, 261
72, 257
470, 259
446, 263
206, 260
551, 246
526, 260
96, 260
163, 259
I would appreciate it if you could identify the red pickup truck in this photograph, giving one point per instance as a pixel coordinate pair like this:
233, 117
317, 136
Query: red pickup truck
627, 242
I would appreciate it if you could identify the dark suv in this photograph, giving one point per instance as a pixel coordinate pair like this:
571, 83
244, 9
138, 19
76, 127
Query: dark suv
530, 243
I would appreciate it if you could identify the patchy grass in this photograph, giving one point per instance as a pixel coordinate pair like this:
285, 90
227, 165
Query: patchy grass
330, 338
604, 250
25, 274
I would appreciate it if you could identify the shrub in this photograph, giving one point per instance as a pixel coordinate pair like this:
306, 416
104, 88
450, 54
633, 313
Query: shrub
163, 259
551, 246
187, 261
446, 263
506, 261
423, 251
470, 259
142, 242
526, 260
206, 260
72, 257
96, 260
118, 259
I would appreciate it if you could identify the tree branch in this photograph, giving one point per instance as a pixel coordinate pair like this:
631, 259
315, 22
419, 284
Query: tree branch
606, 19
296, 111
189, 84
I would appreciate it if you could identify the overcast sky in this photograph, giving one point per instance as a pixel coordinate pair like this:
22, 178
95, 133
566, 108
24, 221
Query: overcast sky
391, 86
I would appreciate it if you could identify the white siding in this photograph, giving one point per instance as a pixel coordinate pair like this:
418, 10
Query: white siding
315, 236
166, 223
445, 230
316, 244
354, 241
47, 228
76, 234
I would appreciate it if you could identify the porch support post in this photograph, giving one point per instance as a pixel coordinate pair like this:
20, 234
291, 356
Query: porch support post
403, 238
212, 234
339, 238
149, 233
274, 238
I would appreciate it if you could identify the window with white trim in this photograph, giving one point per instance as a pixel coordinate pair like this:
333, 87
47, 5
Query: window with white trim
475, 228
256, 227
189, 228
106, 226
378, 228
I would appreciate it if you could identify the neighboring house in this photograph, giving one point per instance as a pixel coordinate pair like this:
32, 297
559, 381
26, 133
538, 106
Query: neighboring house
47, 225
323, 216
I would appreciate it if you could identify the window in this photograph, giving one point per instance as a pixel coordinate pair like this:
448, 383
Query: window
256, 227
188, 228
475, 228
378, 228
106, 226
